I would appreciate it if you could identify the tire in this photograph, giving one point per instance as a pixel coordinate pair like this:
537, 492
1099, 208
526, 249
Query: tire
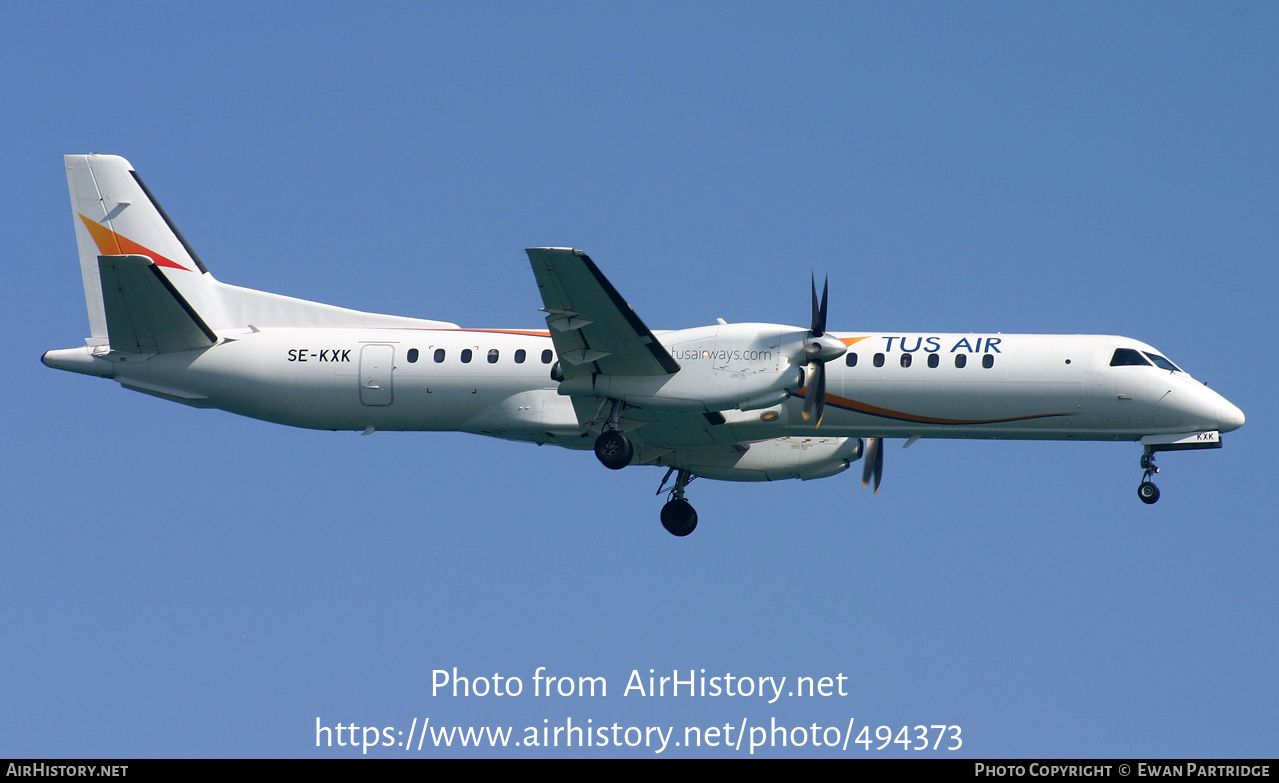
614, 450
1148, 492
679, 518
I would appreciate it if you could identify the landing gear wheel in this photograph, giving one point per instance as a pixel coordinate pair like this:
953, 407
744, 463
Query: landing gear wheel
1147, 490
679, 517
614, 450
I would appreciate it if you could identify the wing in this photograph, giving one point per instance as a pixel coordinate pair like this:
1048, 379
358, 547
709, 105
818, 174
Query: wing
592, 327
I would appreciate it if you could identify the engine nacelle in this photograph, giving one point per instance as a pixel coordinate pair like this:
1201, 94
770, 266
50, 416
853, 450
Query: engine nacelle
724, 367
771, 460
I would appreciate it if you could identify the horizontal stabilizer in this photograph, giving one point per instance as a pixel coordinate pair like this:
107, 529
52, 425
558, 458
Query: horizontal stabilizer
144, 312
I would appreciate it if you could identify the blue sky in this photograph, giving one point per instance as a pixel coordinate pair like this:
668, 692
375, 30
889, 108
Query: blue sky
187, 583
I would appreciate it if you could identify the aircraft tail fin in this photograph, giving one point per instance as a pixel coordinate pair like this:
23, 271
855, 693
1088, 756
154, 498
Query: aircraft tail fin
117, 217
174, 296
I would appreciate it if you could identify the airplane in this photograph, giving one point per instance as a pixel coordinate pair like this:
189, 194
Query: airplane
727, 401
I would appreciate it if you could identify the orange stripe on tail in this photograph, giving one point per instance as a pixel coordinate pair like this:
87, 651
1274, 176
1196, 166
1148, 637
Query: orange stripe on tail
112, 244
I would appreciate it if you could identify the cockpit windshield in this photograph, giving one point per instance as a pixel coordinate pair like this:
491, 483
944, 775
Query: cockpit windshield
1161, 362
1125, 357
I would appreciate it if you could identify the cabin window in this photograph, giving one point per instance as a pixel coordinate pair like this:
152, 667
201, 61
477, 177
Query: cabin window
933, 360
519, 356
961, 360
493, 356
1125, 357
850, 359
905, 360
439, 355
879, 360
466, 356
988, 361
546, 356
412, 355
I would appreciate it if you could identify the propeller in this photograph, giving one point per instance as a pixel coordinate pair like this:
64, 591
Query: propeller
819, 348
873, 462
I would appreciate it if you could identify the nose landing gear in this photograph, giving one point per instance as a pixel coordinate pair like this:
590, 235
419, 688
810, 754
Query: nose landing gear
1147, 490
1178, 441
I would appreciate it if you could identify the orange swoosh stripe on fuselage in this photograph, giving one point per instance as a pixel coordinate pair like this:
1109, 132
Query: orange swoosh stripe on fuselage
887, 413
851, 341
526, 332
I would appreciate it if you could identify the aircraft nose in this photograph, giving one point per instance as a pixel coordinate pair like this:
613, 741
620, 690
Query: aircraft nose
1229, 417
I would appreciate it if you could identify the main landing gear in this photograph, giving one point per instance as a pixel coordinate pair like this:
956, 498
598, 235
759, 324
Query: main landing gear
614, 449
1147, 490
678, 515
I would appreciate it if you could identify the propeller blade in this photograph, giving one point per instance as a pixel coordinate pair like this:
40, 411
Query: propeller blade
879, 465
816, 307
819, 310
818, 351
821, 326
815, 397
873, 462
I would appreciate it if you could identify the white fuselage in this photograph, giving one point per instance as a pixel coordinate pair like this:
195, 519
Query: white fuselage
898, 385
